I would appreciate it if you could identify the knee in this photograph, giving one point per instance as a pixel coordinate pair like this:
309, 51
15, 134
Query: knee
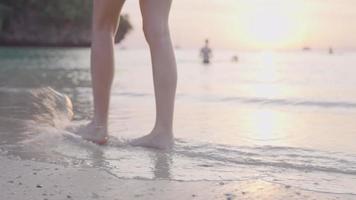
156, 33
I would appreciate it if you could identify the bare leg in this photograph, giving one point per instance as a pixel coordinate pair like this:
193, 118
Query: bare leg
105, 23
155, 14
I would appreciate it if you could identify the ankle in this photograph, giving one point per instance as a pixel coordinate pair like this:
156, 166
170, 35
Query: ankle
161, 130
99, 123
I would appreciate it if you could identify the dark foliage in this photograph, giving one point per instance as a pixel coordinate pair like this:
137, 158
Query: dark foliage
49, 23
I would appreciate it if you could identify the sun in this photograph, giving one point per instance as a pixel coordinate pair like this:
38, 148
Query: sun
270, 26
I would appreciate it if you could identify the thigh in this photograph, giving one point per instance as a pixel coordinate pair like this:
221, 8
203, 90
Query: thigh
106, 14
155, 11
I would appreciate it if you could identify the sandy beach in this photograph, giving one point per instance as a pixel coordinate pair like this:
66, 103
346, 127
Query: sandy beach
33, 180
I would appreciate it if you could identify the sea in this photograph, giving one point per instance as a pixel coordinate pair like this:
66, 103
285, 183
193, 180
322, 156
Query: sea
285, 117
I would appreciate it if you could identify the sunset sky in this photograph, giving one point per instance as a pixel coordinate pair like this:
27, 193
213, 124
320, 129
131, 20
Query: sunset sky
256, 24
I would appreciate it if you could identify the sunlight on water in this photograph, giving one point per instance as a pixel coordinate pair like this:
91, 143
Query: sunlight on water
265, 125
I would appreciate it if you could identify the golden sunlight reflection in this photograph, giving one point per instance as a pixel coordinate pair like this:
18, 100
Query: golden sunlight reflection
266, 125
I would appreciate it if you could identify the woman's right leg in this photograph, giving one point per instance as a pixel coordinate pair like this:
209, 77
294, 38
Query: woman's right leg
105, 23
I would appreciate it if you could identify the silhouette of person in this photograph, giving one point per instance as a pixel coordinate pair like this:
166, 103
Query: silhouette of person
206, 52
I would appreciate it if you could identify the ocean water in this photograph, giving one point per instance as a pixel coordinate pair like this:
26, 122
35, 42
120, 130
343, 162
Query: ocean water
282, 117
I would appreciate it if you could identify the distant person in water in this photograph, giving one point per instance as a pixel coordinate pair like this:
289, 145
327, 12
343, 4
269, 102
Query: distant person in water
235, 59
206, 52
155, 26
331, 50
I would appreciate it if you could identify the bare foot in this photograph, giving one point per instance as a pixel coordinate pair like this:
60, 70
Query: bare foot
154, 140
93, 133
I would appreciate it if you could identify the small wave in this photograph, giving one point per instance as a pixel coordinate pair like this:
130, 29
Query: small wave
256, 100
272, 156
290, 102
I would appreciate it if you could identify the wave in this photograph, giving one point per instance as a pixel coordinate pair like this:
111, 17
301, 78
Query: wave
290, 102
272, 156
254, 100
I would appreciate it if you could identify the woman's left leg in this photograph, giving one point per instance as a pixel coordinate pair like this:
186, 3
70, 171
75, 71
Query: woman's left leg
155, 14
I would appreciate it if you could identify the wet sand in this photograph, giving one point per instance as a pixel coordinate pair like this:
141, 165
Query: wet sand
20, 179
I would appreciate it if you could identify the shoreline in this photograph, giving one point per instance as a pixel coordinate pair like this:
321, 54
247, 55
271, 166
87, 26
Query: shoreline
23, 179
